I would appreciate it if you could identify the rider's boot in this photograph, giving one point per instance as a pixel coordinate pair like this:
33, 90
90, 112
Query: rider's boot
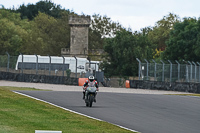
83, 95
95, 100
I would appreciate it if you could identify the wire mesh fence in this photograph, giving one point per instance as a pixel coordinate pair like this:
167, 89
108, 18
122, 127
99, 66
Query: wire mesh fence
169, 72
24, 67
47, 65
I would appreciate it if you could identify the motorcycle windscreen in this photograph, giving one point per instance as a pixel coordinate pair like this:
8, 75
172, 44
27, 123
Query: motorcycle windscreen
91, 89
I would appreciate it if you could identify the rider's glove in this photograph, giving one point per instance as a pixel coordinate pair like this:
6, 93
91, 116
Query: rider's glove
84, 88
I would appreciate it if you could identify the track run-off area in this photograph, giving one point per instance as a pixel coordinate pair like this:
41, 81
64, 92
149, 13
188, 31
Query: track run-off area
145, 111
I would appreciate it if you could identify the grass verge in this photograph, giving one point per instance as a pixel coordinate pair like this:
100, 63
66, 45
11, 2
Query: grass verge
20, 114
197, 95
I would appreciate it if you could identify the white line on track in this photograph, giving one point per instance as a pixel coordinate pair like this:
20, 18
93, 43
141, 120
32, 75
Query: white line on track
73, 111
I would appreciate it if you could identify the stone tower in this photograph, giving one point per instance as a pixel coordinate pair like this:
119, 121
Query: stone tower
79, 28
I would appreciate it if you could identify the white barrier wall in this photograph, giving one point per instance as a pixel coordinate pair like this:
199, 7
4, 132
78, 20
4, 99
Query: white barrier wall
42, 131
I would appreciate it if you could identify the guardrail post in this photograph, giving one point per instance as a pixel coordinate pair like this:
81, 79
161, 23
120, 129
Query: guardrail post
63, 64
199, 71
49, 65
76, 65
8, 63
147, 69
195, 71
178, 70
190, 70
170, 70
36, 64
163, 71
95, 70
22, 67
139, 68
154, 70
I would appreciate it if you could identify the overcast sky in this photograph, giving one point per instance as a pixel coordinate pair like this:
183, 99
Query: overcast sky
134, 14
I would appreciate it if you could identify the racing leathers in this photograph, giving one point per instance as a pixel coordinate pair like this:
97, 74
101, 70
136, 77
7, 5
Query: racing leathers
89, 83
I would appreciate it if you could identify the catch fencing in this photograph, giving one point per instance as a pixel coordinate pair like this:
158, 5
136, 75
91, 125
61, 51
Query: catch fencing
47, 69
35, 72
50, 73
9, 64
165, 75
169, 72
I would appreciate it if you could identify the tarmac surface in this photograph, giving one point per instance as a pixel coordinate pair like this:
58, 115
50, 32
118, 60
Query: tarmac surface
145, 111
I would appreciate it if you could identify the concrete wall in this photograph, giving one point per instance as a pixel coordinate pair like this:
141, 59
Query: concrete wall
38, 78
173, 86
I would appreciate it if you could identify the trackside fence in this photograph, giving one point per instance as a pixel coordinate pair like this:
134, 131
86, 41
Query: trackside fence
52, 70
168, 75
169, 72
45, 73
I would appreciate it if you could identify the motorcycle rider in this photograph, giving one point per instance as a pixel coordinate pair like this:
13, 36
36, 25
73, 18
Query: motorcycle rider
91, 83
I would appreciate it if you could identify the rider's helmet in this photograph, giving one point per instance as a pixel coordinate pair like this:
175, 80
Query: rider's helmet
91, 78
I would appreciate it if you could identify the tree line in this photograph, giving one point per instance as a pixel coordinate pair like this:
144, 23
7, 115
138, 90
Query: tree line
43, 29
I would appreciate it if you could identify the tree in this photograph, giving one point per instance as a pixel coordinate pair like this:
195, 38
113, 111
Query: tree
47, 35
160, 32
121, 55
30, 11
13, 36
184, 41
144, 45
101, 27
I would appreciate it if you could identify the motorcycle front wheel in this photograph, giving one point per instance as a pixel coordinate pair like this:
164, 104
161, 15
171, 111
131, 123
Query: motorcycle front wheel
91, 99
87, 104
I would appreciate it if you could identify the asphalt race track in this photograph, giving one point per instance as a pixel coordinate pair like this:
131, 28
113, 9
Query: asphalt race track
145, 113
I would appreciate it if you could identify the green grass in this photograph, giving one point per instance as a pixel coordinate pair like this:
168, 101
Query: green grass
20, 114
197, 95
21, 88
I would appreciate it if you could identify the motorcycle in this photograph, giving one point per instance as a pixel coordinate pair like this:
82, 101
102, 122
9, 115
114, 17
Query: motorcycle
90, 95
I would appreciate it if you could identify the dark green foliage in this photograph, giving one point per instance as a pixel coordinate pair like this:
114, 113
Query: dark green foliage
30, 11
122, 52
160, 32
43, 35
101, 27
68, 72
12, 32
184, 41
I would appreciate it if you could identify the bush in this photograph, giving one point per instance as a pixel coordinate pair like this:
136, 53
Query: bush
68, 72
